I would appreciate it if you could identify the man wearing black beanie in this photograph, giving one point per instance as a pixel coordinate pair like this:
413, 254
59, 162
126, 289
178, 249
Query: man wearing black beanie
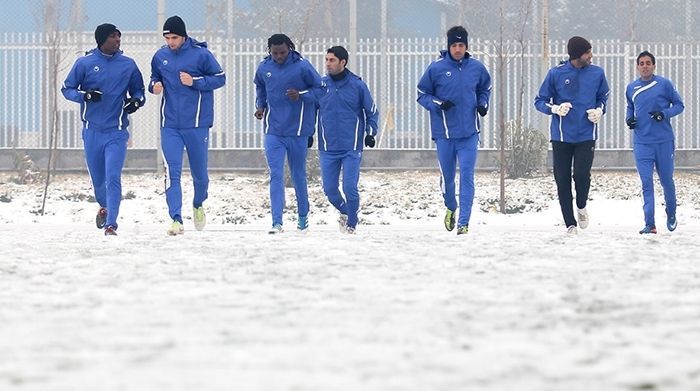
187, 74
455, 89
574, 93
109, 87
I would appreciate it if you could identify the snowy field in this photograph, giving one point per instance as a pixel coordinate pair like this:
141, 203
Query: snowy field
403, 305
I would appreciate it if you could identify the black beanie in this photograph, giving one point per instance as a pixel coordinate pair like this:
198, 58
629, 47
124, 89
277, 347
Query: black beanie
175, 25
460, 35
339, 52
103, 31
577, 47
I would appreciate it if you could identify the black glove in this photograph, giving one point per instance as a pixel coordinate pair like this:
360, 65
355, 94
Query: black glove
310, 142
482, 110
631, 122
657, 115
370, 141
131, 105
446, 105
92, 95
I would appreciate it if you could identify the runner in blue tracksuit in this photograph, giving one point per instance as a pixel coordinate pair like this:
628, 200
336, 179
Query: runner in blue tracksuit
109, 87
651, 103
574, 93
187, 74
287, 89
347, 121
454, 89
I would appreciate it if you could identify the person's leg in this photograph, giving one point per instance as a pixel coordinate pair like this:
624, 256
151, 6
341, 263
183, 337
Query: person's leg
467, 150
95, 161
115, 155
583, 161
275, 152
298, 149
331, 163
562, 157
172, 146
644, 160
351, 177
197, 145
665, 153
447, 159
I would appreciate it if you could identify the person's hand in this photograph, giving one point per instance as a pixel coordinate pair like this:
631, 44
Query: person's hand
657, 115
446, 105
157, 88
310, 142
561, 110
259, 113
186, 79
92, 95
594, 115
631, 122
370, 141
293, 95
482, 110
131, 105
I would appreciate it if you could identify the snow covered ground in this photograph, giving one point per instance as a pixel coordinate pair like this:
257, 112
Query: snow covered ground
403, 305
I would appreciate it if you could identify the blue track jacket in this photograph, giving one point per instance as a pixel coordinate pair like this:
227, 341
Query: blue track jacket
466, 83
182, 106
346, 112
643, 97
585, 88
282, 116
116, 76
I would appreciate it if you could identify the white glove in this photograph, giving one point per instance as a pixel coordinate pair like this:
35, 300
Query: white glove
561, 110
594, 115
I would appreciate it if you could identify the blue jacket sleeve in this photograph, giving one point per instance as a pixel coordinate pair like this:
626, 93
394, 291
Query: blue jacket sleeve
677, 105
483, 89
630, 104
602, 94
425, 92
260, 91
155, 75
136, 89
371, 113
313, 82
213, 76
71, 85
545, 97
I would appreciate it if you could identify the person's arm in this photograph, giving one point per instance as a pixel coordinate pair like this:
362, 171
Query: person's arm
677, 105
71, 86
136, 88
483, 92
213, 76
260, 94
156, 78
370, 110
312, 80
426, 97
602, 95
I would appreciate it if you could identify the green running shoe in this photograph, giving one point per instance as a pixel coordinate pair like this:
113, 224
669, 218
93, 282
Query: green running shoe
450, 220
463, 229
200, 219
176, 228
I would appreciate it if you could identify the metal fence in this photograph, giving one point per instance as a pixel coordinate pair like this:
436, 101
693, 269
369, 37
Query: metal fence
390, 68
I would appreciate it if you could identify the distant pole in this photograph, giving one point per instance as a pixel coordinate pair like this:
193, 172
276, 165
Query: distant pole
353, 26
384, 75
159, 29
545, 50
230, 6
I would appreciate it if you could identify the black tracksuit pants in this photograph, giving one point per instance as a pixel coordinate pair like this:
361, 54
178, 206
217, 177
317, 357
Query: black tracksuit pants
581, 156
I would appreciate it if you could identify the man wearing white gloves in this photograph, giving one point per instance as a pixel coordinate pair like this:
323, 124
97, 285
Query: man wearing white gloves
574, 93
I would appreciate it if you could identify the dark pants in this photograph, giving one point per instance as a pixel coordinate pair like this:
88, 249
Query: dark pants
581, 156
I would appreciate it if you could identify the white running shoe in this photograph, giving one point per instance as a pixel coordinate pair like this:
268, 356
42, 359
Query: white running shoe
176, 228
276, 229
342, 222
199, 217
571, 230
583, 219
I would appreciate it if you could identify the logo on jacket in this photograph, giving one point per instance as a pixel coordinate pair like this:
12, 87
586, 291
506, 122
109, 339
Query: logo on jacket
96, 68
268, 74
448, 73
165, 62
567, 82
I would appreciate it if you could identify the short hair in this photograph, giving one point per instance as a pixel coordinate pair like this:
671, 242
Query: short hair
280, 39
339, 52
646, 54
